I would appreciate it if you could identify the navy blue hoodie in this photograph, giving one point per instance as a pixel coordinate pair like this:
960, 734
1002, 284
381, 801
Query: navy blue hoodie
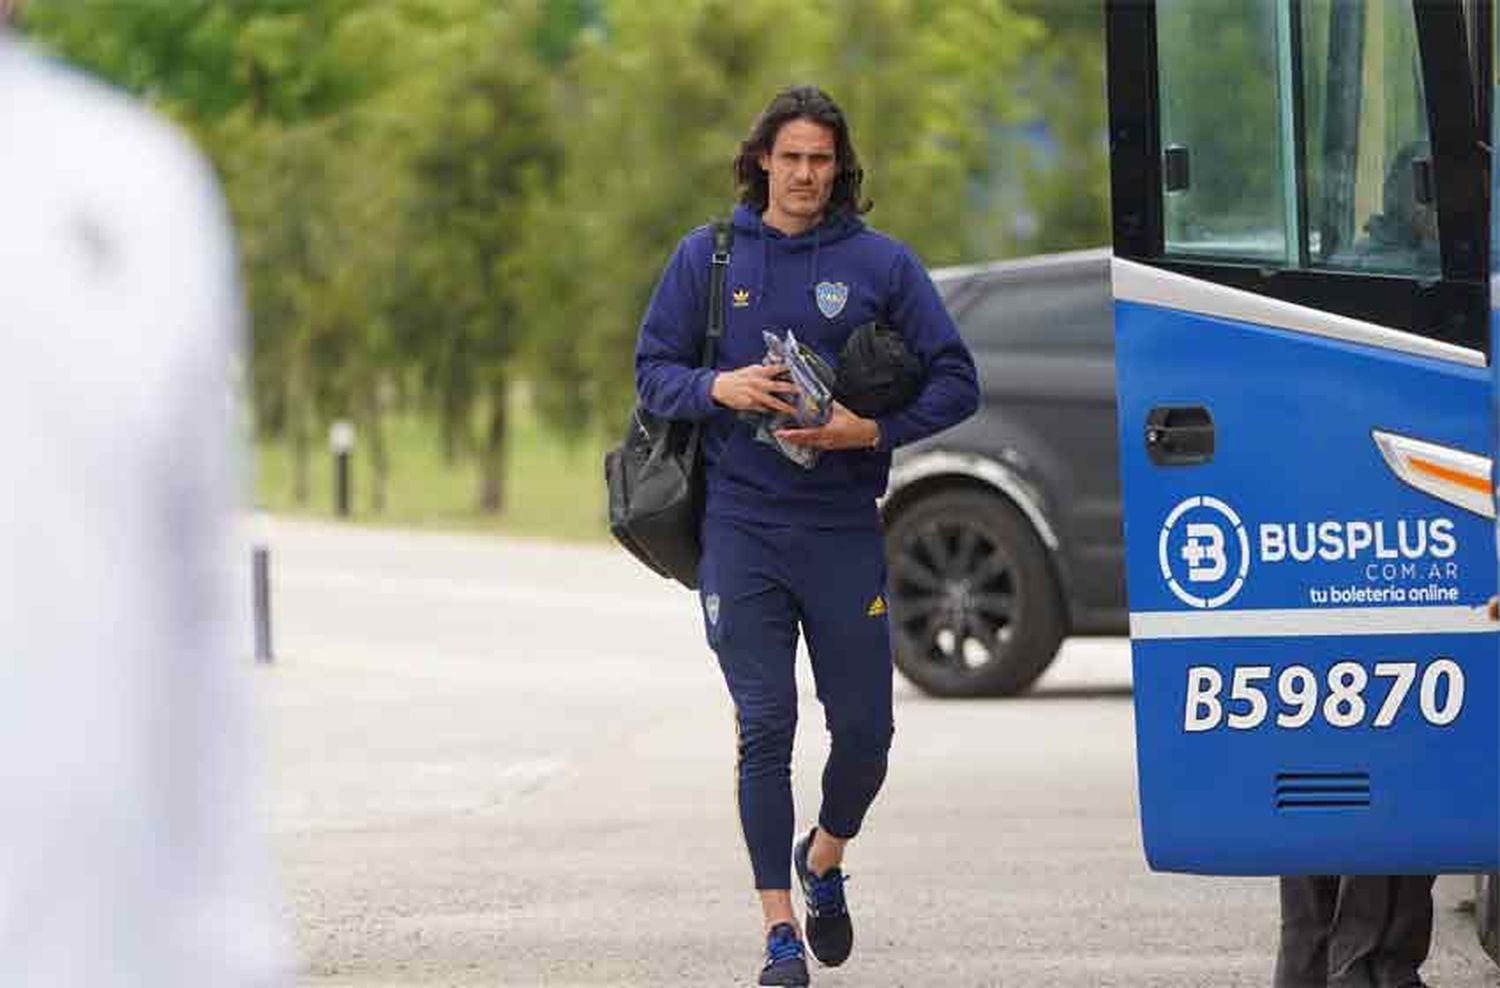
775, 282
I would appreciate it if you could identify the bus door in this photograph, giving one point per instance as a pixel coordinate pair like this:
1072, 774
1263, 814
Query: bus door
1300, 202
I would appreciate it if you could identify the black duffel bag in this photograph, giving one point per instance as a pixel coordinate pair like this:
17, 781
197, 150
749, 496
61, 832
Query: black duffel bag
655, 475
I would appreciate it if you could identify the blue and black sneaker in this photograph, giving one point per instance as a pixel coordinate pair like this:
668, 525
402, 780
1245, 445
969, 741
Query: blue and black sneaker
785, 965
830, 934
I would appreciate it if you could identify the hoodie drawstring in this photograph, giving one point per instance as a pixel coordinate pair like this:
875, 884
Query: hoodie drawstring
765, 260
812, 280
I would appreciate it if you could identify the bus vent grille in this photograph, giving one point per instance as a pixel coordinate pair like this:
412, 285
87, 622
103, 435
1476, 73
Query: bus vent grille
1298, 791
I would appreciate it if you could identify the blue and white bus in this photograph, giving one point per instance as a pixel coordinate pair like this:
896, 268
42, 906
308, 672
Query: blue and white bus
1302, 256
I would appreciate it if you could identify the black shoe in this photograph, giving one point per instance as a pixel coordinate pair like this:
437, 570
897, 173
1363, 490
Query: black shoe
785, 965
830, 934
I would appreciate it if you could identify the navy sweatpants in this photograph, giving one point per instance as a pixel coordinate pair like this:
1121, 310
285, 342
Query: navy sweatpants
759, 585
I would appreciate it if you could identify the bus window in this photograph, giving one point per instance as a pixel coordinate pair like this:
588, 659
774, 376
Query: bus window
1326, 153
1231, 202
1369, 164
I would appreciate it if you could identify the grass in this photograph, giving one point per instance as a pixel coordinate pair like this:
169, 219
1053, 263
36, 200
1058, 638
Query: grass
553, 489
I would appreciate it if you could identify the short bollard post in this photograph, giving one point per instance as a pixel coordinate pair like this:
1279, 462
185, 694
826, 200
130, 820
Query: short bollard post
341, 443
260, 557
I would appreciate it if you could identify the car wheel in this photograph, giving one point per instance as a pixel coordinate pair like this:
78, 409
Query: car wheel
974, 605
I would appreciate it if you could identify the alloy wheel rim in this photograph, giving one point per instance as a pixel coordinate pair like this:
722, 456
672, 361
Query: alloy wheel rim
955, 599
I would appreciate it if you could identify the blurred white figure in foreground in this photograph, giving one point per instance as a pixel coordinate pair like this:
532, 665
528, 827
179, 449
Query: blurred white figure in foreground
130, 849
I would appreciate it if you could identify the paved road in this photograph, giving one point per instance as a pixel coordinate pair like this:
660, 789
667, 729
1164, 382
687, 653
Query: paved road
497, 762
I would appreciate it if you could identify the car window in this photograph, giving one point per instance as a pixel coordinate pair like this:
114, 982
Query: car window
1071, 312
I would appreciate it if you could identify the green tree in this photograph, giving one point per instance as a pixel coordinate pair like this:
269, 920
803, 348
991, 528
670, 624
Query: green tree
1049, 187
203, 60
319, 220
312, 113
488, 152
927, 86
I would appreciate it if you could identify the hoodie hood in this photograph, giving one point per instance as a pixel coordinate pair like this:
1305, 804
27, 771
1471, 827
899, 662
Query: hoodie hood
748, 226
833, 229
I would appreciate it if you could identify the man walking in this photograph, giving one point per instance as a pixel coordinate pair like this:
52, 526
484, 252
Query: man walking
788, 548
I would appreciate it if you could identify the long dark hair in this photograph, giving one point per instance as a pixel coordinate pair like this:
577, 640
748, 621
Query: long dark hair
800, 103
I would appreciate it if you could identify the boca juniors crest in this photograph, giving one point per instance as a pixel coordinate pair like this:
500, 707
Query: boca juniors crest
831, 297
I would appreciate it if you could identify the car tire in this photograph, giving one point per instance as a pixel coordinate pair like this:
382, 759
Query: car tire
975, 609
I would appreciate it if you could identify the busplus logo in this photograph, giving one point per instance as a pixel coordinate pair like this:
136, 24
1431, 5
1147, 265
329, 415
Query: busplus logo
1204, 552
1204, 549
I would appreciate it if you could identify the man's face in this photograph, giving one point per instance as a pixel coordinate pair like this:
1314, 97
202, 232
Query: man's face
801, 168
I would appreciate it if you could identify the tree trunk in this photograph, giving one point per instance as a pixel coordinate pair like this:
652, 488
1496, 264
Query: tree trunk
492, 456
379, 461
301, 460
299, 430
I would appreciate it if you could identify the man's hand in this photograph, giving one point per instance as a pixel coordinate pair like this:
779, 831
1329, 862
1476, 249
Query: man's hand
843, 430
754, 389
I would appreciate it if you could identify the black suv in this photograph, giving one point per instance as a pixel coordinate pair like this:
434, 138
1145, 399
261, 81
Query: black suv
1004, 534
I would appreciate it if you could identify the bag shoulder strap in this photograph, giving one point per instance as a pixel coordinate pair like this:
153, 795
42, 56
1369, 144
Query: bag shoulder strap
718, 271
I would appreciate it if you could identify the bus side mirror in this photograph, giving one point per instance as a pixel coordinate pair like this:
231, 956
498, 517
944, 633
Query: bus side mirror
1174, 167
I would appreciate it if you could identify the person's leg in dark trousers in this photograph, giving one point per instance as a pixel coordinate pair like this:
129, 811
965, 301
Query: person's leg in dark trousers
751, 622
1359, 922
841, 589
1354, 931
1391, 944
1307, 907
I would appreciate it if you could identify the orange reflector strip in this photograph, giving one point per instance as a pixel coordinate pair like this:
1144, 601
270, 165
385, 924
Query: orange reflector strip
1452, 476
